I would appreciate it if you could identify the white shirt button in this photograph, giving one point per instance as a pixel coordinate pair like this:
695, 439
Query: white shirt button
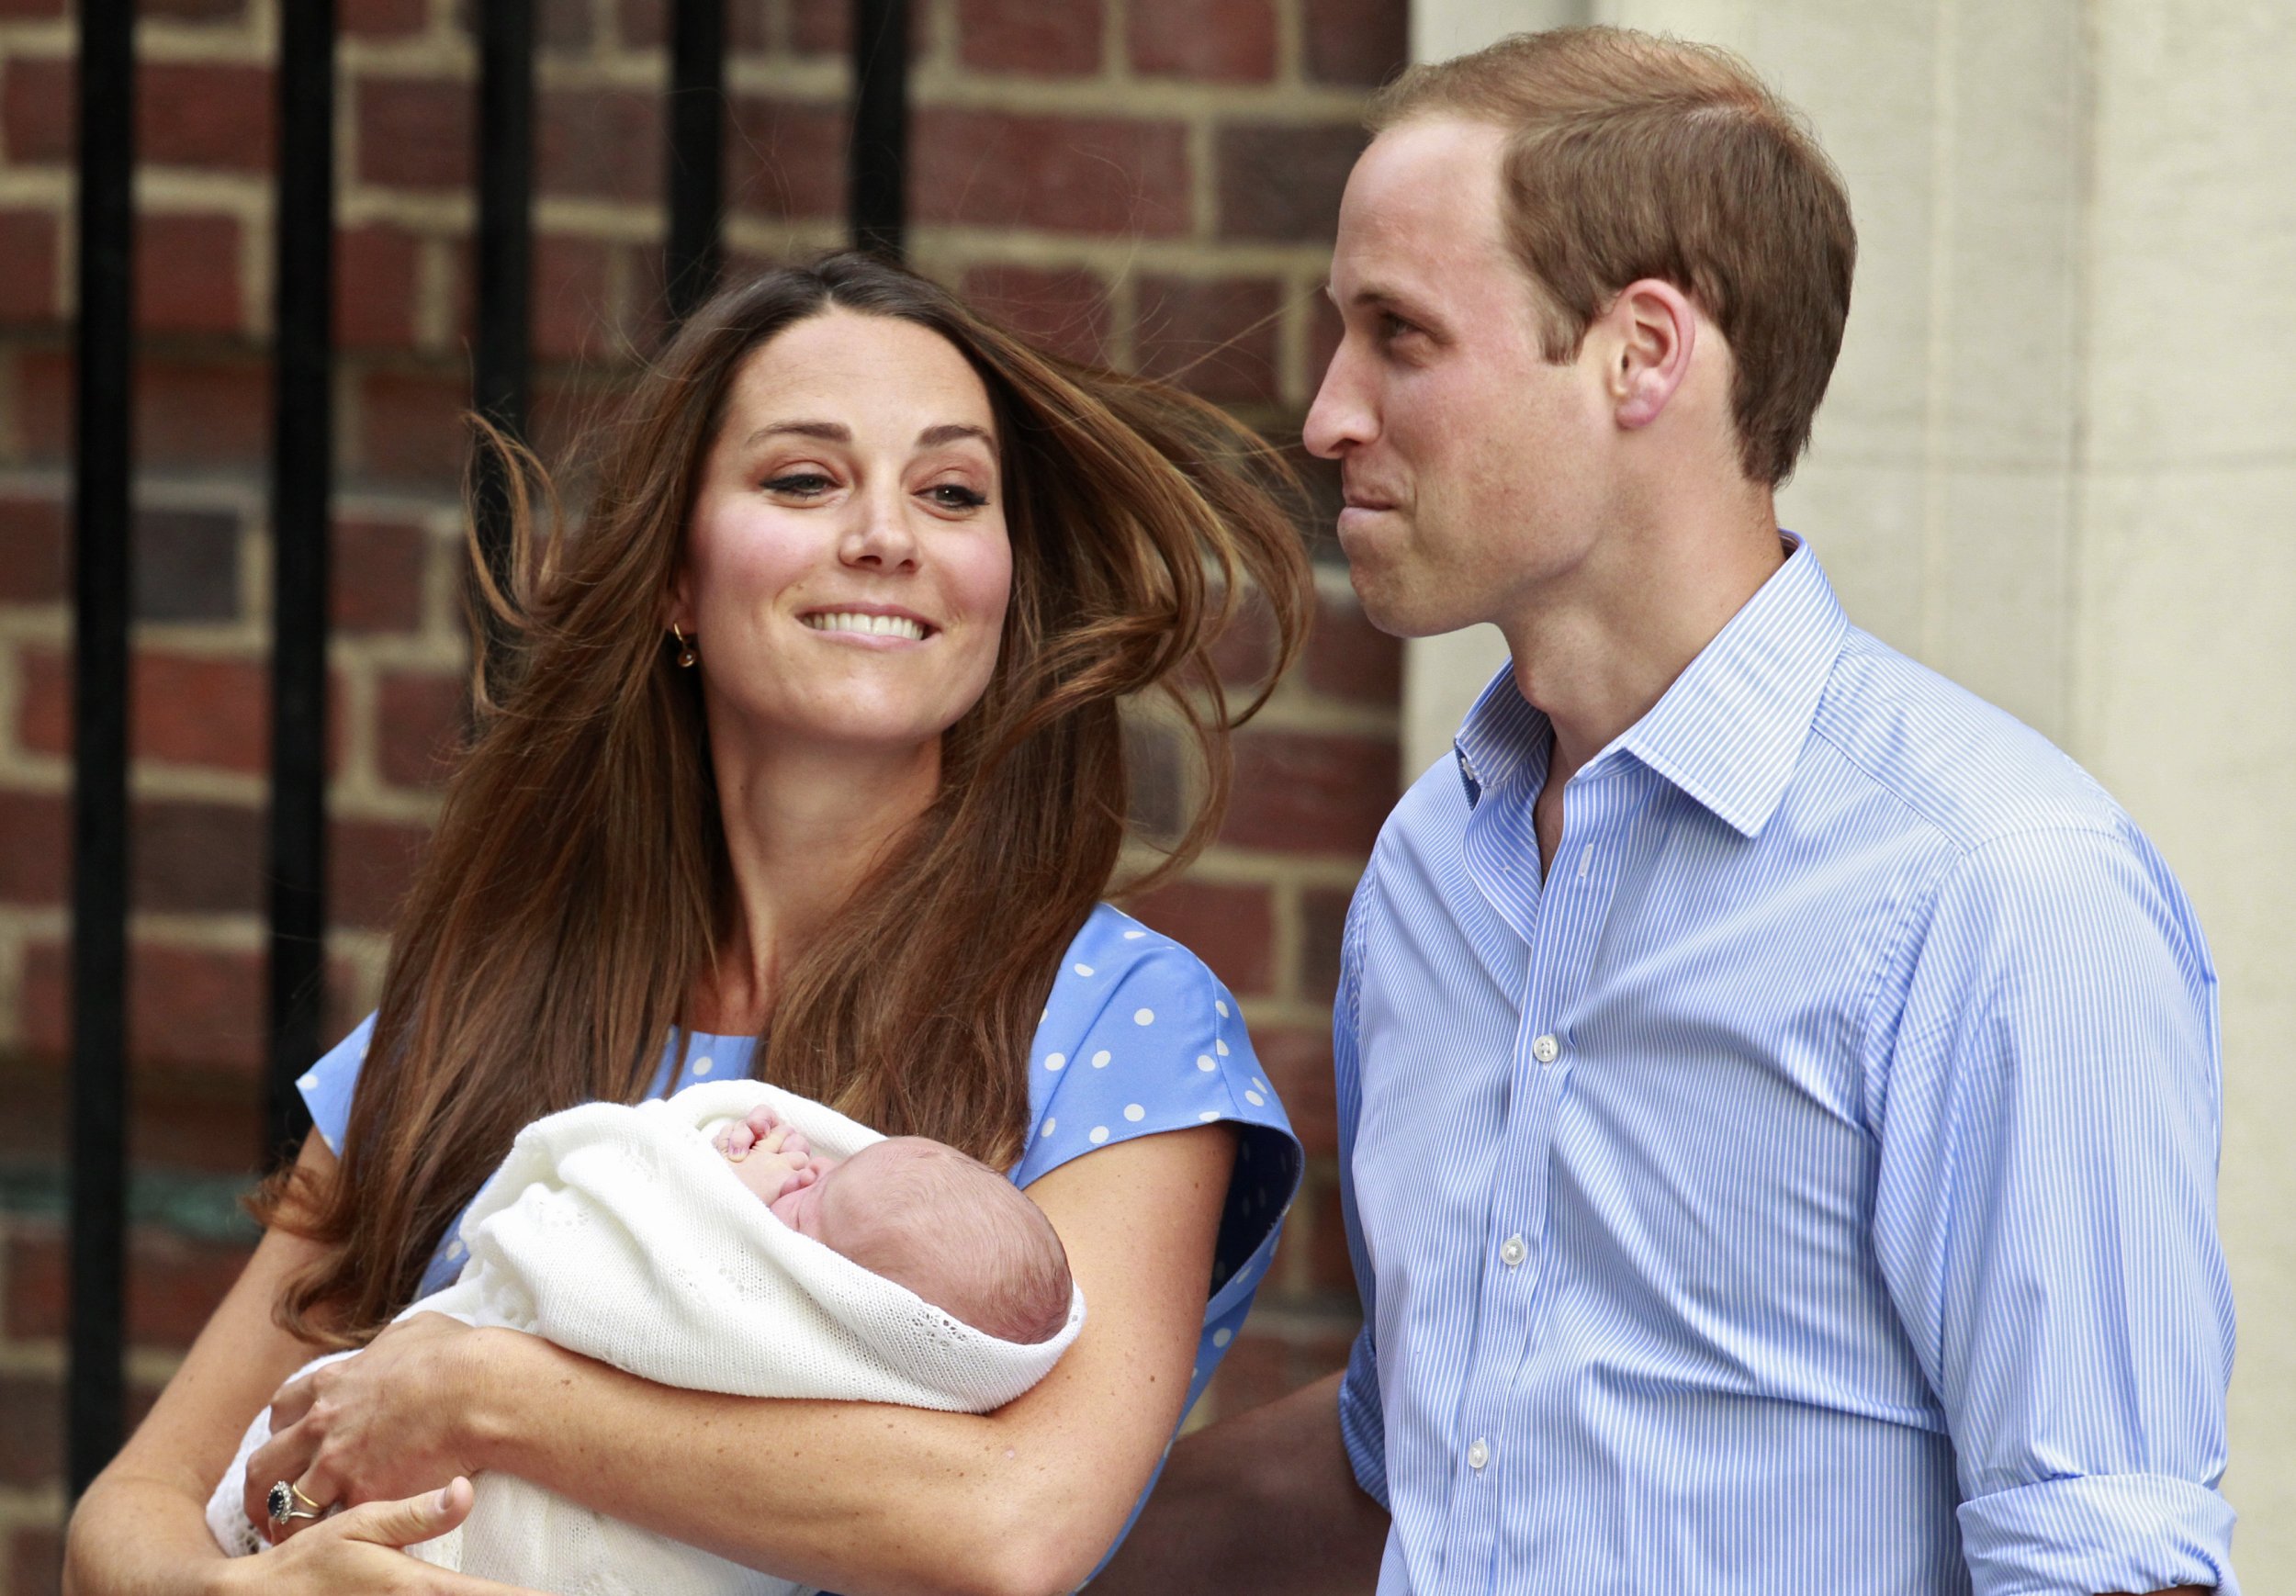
1479, 1453
1513, 1252
1547, 1049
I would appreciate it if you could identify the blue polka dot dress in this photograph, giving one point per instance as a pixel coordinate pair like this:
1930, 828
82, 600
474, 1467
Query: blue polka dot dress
1138, 1037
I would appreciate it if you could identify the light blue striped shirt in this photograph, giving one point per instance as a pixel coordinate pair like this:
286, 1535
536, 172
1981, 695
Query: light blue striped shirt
1810, 1186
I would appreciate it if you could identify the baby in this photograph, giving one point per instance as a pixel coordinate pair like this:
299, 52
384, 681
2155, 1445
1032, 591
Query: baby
919, 1213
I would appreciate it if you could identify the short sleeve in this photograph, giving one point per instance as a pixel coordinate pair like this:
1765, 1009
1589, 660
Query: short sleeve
326, 1085
1138, 1037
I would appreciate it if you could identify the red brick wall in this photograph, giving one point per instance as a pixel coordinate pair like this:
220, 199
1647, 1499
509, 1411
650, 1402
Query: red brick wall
1148, 182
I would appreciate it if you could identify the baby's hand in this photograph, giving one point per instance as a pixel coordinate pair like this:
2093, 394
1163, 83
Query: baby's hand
760, 1126
770, 1158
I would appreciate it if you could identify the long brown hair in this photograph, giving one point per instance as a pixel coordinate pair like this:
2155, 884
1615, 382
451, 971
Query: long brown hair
577, 885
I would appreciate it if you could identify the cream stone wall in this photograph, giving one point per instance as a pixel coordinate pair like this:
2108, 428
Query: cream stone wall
2057, 462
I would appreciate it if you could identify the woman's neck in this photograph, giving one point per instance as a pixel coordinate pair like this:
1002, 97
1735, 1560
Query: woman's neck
804, 827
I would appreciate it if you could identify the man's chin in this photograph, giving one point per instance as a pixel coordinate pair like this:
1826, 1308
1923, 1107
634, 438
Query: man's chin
1397, 607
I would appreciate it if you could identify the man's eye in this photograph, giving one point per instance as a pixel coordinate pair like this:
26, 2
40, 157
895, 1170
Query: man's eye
802, 484
1392, 326
955, 496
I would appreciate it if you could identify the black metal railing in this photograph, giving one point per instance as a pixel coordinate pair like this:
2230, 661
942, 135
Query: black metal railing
301, 483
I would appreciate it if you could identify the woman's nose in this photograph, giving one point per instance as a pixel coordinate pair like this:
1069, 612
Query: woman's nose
881, 538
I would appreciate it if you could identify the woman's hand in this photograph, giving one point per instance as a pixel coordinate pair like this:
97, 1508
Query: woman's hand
372, 1428
359, 1550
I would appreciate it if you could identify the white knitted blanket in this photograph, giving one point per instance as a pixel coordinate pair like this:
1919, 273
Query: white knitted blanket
620, 1233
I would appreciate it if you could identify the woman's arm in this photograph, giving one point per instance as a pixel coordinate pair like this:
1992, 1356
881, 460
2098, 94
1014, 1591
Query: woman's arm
141, 1529
859, 1497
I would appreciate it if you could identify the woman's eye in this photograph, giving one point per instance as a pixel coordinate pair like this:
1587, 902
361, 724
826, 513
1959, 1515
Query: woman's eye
800, 484
955, 496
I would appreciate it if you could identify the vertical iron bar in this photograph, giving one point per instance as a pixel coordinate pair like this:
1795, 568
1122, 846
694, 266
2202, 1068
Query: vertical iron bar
96, 1403
878, 196
301, 469
502, 376
697, 152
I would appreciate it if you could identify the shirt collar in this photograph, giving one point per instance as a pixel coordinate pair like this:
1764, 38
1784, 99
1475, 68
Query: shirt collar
1728, 732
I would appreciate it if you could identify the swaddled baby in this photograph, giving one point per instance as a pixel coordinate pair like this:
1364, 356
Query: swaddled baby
732, 1238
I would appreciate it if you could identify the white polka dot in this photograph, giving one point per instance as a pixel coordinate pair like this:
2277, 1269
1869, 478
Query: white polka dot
1221, 1048
1222, 1008
704, 1064
1048, 1127
1256, 1100
1046, 1015
1260, 1083
455, 1250
1083, 969
1100, 1134
1223, 1337
1208, 1116
1203, 1063
1100, 1059
1134, 936
1055, 1060
1135, 1113
308, 1082
1143, 1016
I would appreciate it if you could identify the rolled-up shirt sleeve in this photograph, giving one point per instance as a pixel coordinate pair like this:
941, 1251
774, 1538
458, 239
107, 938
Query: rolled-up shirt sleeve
1361, 1426
2048, 1104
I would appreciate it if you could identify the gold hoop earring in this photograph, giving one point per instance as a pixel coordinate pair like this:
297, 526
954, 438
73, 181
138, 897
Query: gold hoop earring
686, 656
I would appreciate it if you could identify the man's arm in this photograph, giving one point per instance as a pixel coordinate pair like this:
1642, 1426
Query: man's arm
1263, 1502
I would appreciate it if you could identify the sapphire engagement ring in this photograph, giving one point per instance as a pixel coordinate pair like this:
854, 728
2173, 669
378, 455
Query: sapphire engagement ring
282, 1502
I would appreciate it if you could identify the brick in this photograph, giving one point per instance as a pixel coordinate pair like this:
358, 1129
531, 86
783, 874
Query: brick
1041, 37
31, 1429
187, 276
1216, 40
1361, 42
378, 574
1329, 1269
35, 1560
370, 865
188, 1008
785, 158
566, 26
1254, 1374
1064, 309
194, 10
186, 564
23, 10
599, 143
1350, 659
378, 278
174, 1284
1296, 1061
574, 314
32, 545
383, 19
419, 724
199, 413
1323, 927
30, 262
190, 858
1305, 792
1232, 928
818, 28
1158, 796
185, 710
1216, 337
34, 866
411, 428
1075, 174
211, 115
1283, 182
37, 99
414, 132
645, 23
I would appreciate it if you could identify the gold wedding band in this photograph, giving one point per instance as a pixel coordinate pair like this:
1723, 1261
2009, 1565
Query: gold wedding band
282, 1498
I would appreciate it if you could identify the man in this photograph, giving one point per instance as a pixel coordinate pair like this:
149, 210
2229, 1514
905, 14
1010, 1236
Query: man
1778, 1093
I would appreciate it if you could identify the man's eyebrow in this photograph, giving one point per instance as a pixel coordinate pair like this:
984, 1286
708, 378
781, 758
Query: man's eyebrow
834, 431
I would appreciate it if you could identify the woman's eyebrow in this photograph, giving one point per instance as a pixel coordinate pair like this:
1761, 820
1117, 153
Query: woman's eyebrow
835, 432
949, 431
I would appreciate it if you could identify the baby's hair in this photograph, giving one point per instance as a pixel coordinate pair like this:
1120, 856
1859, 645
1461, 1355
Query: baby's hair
961, 1237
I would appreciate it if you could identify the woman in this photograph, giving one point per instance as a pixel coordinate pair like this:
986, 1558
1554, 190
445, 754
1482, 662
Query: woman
810, 761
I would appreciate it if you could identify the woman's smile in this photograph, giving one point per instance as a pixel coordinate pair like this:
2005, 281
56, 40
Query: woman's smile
868, 625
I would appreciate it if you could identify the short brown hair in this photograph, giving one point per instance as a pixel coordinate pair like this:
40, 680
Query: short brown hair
1630, 156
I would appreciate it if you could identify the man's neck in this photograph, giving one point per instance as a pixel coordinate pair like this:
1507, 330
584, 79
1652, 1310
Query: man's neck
1596, 653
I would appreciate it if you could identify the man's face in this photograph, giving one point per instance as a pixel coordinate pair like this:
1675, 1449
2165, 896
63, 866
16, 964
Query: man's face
1473, 468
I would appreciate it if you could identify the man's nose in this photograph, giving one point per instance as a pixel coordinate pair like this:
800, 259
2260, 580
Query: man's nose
1342, 416
881, 538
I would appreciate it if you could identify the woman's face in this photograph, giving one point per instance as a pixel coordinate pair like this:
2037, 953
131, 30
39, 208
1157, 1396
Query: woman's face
846, 568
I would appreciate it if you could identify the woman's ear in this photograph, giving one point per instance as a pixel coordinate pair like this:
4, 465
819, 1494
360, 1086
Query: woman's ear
1656, 332
677, 607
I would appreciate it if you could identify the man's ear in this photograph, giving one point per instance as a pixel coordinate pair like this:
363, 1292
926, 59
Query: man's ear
1656, 331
